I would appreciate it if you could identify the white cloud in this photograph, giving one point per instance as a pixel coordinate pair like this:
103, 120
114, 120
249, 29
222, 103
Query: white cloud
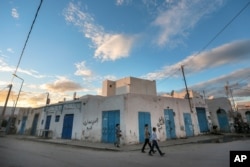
216, 87
14, 13
4, 67
175, 22
115, 46
234, 52
82, 70
109, 46
62, 84
122, 2
10, 50
119, 2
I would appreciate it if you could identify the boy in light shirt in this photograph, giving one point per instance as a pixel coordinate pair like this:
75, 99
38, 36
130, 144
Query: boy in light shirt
154, 141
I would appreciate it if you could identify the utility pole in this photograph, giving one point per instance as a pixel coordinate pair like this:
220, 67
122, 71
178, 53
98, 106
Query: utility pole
229, 92
182, 69
19, 61
5, 105
204, 96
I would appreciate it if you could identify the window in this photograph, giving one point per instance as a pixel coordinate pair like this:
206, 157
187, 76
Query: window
57, 118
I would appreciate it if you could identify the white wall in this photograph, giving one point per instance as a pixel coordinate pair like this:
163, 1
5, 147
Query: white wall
92, 115
129, 105
155, 105
87, 112
71, 107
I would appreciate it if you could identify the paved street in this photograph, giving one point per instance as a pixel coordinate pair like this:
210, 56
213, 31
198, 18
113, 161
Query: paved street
25, 153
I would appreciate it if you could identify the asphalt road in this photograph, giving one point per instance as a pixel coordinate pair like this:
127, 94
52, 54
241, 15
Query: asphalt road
23, 153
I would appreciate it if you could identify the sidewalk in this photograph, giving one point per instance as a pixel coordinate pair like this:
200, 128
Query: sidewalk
137, 147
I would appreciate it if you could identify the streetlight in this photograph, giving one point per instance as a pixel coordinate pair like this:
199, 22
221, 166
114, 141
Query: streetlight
19, 89
13, 110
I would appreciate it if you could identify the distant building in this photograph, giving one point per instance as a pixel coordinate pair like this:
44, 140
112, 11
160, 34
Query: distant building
244, 110
222, 114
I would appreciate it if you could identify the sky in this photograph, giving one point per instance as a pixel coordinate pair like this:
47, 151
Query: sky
75, 45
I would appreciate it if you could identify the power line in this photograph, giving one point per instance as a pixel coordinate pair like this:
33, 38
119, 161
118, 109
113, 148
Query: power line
177, 70
28, 36
242, 80
223, 29
19, 61
3, 88
217, 34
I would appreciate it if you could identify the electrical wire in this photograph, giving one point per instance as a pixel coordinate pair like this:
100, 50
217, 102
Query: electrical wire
3, 88
223, 29
217, 34
31, 28
19, 61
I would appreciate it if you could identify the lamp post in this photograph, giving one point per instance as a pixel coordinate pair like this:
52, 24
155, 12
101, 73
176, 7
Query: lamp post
19, 90
13, 110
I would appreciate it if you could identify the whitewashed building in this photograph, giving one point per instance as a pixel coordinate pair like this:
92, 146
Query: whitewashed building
132, 103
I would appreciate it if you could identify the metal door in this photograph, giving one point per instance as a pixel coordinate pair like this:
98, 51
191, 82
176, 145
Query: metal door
109, 121
67, 126
143, 118
223, 121
47, 125
188, 124
34, 125
21, 132
169, 123
202, 119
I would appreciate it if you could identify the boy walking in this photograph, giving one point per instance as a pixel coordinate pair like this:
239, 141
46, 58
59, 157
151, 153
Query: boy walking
117, 135
146, 136
154, 140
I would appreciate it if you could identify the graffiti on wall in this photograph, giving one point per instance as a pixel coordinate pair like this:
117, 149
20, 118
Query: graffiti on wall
87, 127
160, 123
89, 123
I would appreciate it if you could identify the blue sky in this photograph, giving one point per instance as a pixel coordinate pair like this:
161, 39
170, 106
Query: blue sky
76, 44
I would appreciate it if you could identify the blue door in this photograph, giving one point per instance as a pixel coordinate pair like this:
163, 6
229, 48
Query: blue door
223, 121
202, 119
169, 123
143, 118
21, 132
109, 121
188, 124
67, 126
248, 116
47, 125
34, 125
